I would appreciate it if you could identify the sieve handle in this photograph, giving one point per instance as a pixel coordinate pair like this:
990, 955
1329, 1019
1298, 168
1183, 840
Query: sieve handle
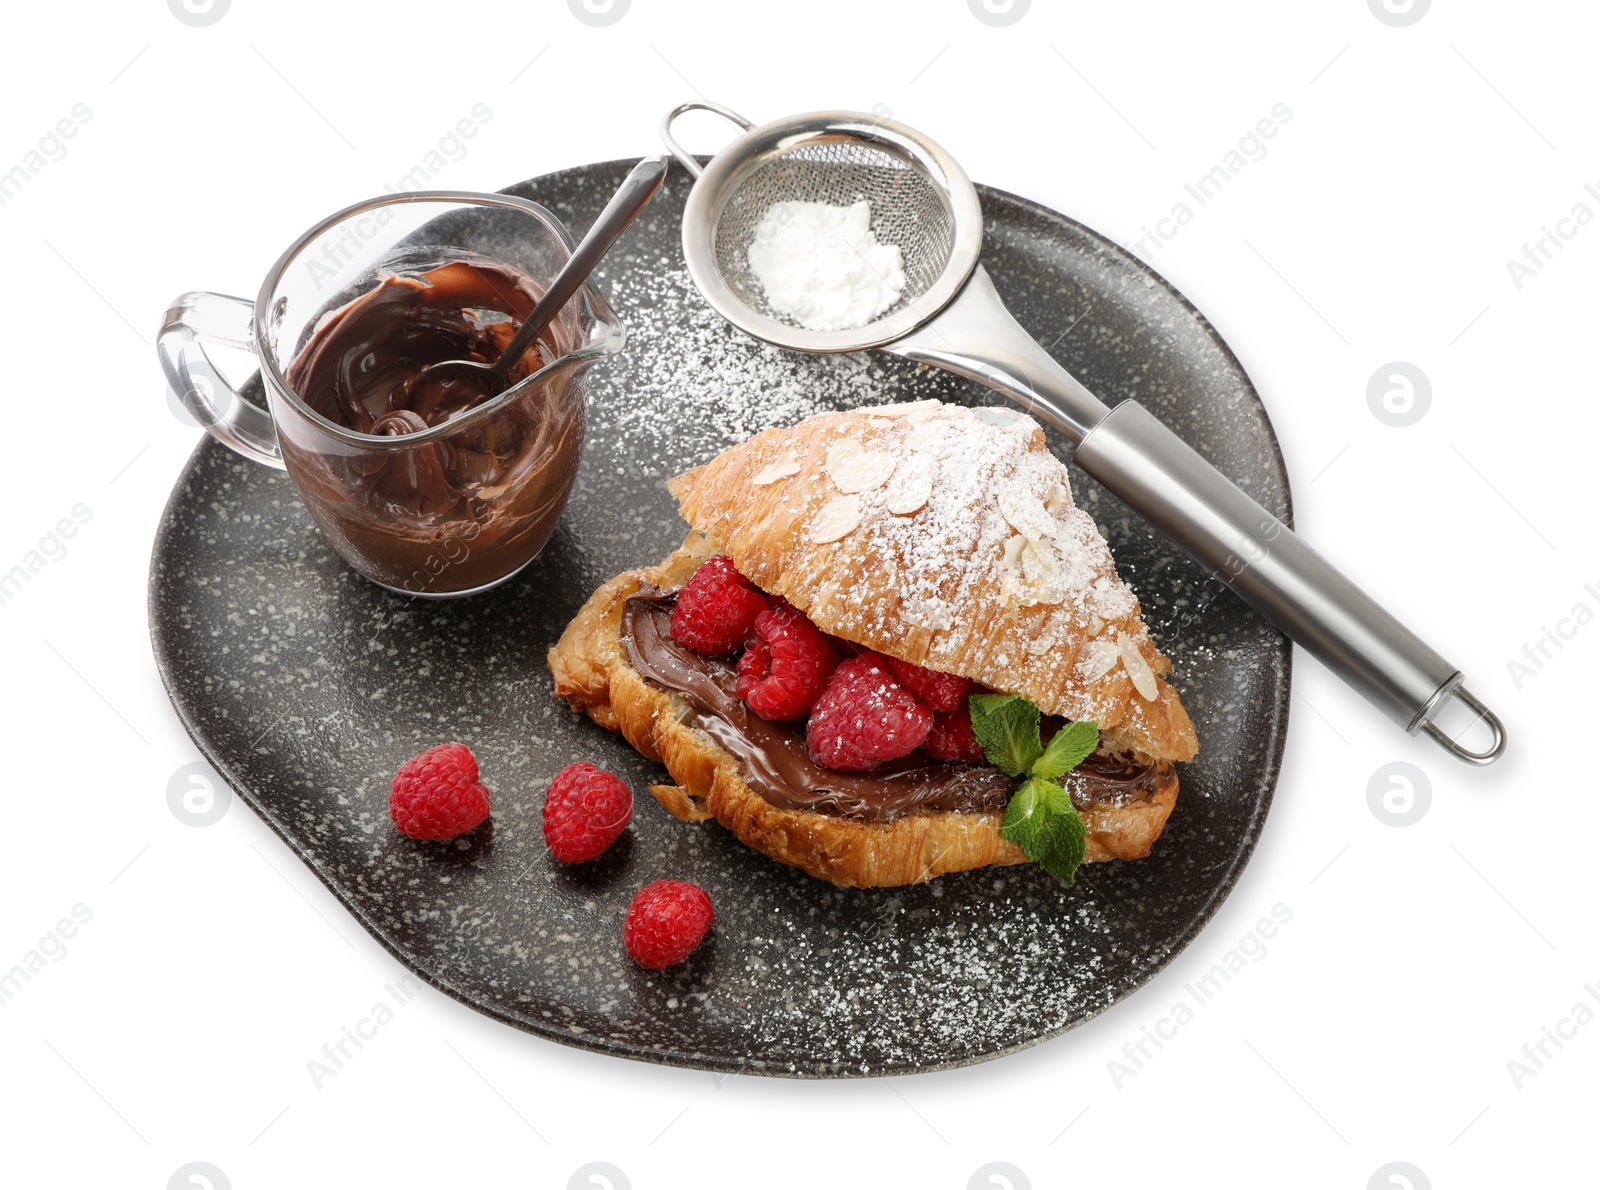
686, 158
975, 336
1166, 481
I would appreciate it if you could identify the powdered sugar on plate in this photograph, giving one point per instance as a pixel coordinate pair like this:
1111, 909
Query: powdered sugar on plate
690, 385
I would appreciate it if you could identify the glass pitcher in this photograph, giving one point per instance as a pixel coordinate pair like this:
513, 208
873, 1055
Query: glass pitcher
444, 511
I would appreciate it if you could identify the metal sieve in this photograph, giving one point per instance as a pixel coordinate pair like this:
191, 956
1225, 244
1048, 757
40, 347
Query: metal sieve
921, 201
949, 314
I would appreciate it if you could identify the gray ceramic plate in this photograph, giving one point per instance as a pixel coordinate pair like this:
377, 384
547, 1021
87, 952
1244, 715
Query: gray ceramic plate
306, 686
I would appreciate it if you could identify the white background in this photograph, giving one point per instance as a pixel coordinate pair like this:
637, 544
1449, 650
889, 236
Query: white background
1419, 960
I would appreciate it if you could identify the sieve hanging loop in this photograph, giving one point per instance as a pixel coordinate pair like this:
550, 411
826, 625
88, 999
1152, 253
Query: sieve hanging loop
685, 158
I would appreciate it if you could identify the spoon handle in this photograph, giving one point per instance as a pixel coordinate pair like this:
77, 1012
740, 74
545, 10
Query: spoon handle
637, 189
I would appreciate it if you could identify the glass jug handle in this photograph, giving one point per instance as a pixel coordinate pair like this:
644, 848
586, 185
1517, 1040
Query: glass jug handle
191, 322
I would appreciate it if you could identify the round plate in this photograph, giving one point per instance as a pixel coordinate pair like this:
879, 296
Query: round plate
306, 686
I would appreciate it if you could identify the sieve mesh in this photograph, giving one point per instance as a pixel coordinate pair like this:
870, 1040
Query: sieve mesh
909, 209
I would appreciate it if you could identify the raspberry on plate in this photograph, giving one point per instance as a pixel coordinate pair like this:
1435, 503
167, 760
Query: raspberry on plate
864, 718
436, 795
666, 921
585, 810
716, 609
934, 690
786, 665
952, 738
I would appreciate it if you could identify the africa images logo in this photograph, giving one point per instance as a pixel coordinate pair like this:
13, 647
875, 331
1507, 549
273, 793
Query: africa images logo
598, 1175
1399, 13
195, 796
999, 13
199, 1175
199, 13
1398, 1175
599, 13
1399, 794
1399, 394
998, 1175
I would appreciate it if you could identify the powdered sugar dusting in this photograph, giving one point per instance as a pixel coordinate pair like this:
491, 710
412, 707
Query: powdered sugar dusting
985, 510
952, 506
708, 386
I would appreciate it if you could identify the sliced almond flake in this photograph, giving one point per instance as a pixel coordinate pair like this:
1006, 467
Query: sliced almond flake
912, 485
880, 423
1037, 562
1024, 511
923, 411
774, 472
1110, 597
1099, 658
835, 519
1096, 625
1057, 500
1032, 558
907, 409
1138, 669
1013, 551
853, 469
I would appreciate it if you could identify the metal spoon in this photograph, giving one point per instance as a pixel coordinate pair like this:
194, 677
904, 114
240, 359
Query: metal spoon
637, 189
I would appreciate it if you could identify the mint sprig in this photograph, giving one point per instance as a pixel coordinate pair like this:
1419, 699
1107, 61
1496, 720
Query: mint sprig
1040, 818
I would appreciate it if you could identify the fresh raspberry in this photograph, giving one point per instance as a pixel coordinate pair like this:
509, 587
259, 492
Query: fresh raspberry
716, 609
864, 718
584, 811
934, 690
952, 738
666, 921
785, 667
436, 795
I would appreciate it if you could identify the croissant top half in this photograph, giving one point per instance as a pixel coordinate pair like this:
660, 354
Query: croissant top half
947, 537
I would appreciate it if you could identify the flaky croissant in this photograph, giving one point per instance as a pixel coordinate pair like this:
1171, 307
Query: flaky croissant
937, 534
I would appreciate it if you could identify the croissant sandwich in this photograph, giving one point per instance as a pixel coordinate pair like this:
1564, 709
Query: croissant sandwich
890, 647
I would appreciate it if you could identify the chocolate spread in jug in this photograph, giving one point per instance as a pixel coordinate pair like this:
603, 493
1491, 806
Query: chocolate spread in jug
455, 511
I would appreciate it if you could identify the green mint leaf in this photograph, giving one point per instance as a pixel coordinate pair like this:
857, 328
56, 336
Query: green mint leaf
1041, 820
1026, 814
1007, 725
1067, 749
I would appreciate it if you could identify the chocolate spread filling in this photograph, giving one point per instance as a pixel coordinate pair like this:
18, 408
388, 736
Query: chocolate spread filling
773, 755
